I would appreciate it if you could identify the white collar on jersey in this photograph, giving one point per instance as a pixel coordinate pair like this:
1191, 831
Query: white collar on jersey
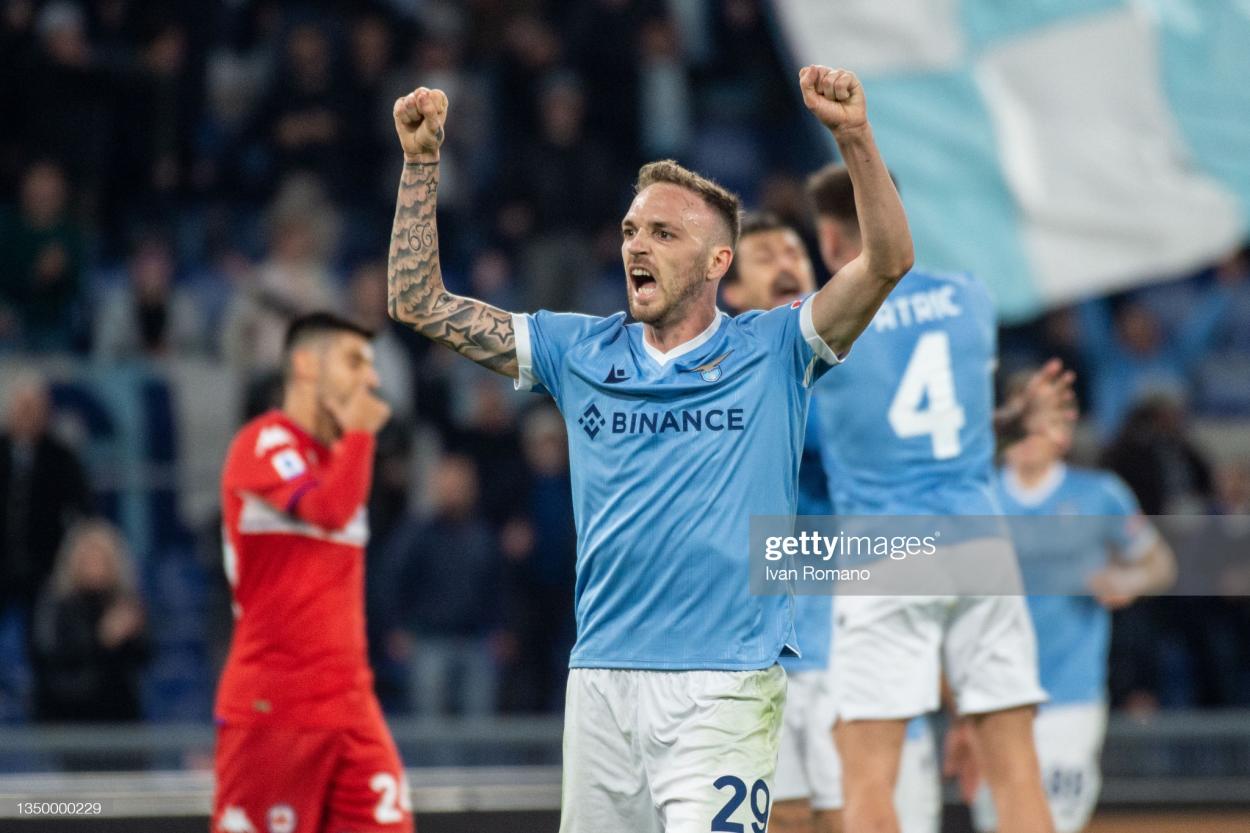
1034, 495
662, 358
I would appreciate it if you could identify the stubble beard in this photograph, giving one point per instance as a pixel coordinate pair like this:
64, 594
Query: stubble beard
676, 305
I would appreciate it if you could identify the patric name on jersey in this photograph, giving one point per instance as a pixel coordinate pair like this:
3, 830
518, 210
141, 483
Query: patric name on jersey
917, 308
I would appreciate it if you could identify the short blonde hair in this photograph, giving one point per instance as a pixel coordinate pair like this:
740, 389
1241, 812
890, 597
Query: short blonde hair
720, 199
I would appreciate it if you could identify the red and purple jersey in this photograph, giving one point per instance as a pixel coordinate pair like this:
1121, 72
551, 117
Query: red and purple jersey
294, 538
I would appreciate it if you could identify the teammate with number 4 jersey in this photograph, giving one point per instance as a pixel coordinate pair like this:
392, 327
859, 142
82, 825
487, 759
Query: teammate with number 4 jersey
681, 427
1094, 553
929, 413
909, 431
301, 742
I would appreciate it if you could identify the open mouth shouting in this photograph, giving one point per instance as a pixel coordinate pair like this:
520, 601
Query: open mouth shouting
786, 288
642, 283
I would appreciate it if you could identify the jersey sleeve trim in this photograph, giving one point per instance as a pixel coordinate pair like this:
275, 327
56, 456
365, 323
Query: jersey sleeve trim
813, 339
525, 379
298, 493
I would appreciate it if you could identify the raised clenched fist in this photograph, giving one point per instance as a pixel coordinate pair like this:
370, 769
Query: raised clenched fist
835, 96
419, 118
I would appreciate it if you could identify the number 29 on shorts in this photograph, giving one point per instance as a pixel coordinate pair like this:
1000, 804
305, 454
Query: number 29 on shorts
759, 801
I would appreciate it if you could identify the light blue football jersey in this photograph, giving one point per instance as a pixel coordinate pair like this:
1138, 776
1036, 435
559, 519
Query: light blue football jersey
1094, 518
670, 456
907, 426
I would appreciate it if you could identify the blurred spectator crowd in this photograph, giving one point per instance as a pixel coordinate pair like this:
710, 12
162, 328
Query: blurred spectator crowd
178, 177
178, 180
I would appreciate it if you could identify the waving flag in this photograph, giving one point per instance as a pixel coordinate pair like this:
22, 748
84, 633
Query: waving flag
1059, 149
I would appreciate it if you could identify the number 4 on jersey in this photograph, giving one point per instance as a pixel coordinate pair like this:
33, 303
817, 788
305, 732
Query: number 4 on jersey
925, 402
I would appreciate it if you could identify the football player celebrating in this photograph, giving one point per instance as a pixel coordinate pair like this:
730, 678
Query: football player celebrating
910, 431
681, 427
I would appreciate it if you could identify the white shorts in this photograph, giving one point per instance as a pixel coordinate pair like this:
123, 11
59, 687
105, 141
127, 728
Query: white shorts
669, 751
890, 652
808, 766
1069, 746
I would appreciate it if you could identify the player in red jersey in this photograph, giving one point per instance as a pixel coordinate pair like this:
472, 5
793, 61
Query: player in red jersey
301, 742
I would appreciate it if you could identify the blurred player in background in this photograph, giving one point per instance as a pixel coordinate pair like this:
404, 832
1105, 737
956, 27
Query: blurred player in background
1098, 554
771, 268
301, 742
909, 430
681, 427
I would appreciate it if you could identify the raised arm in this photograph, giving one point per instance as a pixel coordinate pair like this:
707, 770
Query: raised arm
415, 292
843, 308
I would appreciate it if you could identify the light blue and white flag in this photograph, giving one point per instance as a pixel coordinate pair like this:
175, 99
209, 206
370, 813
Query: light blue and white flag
1059, 149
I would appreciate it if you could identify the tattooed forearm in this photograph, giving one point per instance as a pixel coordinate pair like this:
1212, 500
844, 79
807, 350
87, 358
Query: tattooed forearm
415, 292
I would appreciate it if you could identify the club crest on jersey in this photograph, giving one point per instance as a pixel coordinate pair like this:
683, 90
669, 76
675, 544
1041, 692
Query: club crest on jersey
272, 436
234, 820
592, 420
711, 371
281, 819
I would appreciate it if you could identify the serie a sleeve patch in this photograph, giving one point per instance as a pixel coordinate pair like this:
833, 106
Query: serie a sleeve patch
289, 464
